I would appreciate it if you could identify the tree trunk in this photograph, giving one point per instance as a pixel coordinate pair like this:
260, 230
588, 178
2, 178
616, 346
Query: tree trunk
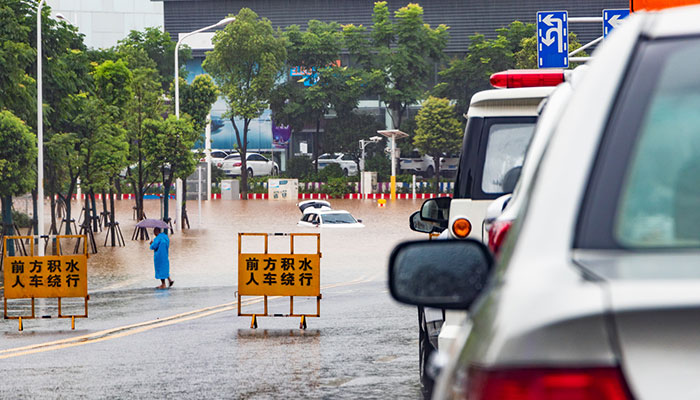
94, 211
436, 161
35, 208
112, 228
316, 137
54, 227
166, 196
7, 226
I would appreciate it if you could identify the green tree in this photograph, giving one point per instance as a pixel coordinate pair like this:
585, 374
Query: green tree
17, 56
17, 151
145, 104
333, 87
344, 134
246, 61
437, 131
168, 143
154, 48
197, 98
396, 53
526, 57
470, 74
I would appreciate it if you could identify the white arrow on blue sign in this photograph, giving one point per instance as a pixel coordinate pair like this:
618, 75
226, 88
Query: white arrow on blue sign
612, 19
552, 39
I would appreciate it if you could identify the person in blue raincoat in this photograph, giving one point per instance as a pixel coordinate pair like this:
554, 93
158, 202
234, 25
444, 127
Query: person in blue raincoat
160, 245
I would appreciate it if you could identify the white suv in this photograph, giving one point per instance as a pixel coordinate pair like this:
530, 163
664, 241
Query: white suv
345, 161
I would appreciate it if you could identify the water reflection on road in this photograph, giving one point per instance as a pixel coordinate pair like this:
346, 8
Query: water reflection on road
205, 255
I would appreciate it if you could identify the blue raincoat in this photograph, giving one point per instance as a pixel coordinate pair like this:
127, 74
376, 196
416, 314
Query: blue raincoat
161, 244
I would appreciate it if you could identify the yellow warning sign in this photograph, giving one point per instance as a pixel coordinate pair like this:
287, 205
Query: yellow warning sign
47, 276
279, 274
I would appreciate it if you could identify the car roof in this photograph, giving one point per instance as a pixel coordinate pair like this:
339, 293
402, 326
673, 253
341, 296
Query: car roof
508, 102
679, 21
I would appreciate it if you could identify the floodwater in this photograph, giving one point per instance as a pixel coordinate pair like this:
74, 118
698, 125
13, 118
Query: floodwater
364, 345
206, 254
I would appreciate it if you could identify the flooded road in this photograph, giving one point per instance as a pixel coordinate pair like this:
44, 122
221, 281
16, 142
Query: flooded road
189, 341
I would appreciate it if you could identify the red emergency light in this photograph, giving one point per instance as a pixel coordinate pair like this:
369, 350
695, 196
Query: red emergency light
519, 78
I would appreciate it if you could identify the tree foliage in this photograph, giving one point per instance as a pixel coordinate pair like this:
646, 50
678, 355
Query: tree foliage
17, 155
154, 48
437, 131
398, 54
168, 143
197, 98
246, 61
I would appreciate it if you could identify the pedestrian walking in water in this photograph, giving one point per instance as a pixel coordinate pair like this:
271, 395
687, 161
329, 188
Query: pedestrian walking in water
160, 245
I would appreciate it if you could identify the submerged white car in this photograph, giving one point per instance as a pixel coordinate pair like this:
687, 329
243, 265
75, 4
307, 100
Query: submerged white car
328, 218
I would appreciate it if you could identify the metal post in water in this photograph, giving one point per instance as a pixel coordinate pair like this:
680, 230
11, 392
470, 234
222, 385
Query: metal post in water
199, 195
414, 186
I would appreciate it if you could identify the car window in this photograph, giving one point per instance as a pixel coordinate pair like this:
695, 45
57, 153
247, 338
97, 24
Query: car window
325, 157
338, 218
505, 151
218, 154
660, 201
232, 156
347, 157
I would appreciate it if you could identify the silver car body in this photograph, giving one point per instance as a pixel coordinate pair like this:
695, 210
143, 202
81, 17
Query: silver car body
556, 306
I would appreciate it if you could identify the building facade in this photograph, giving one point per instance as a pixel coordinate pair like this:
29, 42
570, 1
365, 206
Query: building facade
104, 22
464, 18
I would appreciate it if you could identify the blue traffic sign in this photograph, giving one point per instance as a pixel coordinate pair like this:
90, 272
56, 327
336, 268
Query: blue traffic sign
552, 39
612, 19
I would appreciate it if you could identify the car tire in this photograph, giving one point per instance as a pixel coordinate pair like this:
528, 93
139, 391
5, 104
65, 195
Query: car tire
250, 172
345, 171
430, 172
275, 171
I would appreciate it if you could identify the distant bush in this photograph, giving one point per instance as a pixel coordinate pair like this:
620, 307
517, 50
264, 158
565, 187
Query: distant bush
381, 165
329, 172
21, 219
336, 187
299, 168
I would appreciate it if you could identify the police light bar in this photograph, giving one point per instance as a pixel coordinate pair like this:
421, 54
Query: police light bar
519, 78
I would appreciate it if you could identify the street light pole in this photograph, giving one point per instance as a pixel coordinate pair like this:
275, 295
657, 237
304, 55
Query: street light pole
39, 133
223, 22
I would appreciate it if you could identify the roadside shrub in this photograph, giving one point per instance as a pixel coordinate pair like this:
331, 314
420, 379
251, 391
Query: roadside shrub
21, 219
329, 172
336, 187
299, 167
381, 165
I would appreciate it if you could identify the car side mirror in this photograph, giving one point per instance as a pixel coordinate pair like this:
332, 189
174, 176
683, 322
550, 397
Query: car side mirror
359, 220
447, 274
419, 225
436, 210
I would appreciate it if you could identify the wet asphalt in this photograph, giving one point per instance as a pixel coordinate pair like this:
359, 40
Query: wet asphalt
188, 342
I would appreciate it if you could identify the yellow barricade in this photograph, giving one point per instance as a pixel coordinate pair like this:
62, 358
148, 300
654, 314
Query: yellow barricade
51, 276
276, 274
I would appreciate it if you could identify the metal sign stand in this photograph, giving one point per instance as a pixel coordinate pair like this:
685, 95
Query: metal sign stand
319, 296
32, 254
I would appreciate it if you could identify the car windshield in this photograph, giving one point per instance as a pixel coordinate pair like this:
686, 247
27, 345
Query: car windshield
505, 152
338, 218
660, 202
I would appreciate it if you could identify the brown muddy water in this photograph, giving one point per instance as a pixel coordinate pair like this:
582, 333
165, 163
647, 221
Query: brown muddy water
206, 254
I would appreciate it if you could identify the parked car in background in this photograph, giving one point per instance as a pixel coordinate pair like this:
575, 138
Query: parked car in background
257, 165
597, 292
421, 164
216, 156
345, 161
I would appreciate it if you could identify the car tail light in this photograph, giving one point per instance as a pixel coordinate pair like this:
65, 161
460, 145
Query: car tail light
518, 78
497, 235
219, 165
596, 383
461, 227
237, 164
